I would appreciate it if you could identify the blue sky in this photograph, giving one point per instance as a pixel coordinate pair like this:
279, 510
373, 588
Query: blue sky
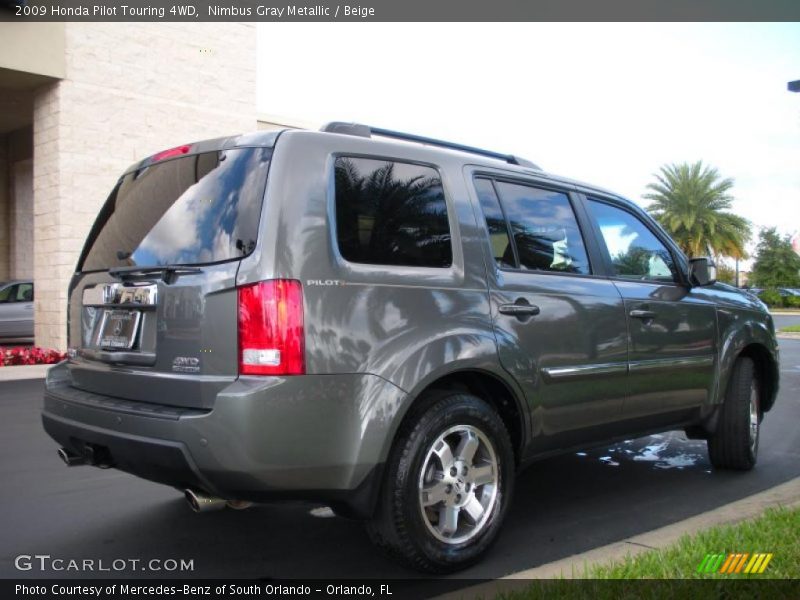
605, 103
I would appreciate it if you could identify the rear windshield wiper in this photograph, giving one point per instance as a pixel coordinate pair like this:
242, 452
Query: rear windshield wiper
167, 274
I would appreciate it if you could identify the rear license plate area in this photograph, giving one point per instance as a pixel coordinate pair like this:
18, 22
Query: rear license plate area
118, 329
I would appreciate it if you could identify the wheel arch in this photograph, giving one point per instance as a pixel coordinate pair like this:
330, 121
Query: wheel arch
496, 391
767, 372
754, 339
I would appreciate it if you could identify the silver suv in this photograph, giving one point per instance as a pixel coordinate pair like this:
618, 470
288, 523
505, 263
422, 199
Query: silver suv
391, 325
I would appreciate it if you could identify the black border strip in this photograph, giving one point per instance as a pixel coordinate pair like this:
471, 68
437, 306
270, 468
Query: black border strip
401, 10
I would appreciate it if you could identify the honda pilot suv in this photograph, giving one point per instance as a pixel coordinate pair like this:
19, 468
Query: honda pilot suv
390, 325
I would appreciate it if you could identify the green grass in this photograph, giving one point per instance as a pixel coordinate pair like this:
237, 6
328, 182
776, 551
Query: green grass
672, 572
790, 329
776, 531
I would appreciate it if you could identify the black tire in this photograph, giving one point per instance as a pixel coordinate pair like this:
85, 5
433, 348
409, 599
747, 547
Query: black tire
734, 445
402, 527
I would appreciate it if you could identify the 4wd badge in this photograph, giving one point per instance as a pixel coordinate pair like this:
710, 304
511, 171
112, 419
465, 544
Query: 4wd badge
186, 364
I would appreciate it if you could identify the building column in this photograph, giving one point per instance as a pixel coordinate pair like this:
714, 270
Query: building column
50, 263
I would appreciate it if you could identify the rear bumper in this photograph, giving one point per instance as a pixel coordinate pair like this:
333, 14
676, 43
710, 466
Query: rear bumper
315, 437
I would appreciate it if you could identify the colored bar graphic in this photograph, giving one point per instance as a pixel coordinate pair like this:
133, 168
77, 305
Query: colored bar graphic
735, 563
717, 565
725, 567
711, 563
765, 563
701, 568
754, 560
740, 566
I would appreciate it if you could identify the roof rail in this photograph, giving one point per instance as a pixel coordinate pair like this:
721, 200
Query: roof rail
360, 130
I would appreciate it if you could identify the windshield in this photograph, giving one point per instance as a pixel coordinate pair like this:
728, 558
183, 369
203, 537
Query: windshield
196, 209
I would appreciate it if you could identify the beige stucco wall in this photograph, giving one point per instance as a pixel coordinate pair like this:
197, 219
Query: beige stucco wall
33, 47
129, 91
273, 122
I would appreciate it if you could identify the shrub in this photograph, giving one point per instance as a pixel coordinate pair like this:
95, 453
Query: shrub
792, 301
771, 297
30, 355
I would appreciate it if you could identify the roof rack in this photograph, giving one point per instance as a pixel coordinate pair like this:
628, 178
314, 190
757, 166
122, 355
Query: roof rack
360, 130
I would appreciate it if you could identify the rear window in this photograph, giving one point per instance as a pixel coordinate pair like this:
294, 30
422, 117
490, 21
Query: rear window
391, 213
196, 209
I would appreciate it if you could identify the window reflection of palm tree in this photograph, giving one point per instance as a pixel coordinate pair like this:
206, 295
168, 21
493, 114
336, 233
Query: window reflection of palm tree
398, 215
385, 220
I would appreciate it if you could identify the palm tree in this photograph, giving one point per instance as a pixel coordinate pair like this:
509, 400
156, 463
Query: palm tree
691, 202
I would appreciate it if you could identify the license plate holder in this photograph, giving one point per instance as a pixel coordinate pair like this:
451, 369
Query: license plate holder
118, 329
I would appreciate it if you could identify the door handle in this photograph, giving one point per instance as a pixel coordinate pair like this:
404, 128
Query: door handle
519, 310
647, 315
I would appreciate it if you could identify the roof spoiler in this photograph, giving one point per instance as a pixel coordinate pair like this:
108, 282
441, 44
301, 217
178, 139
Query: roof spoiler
359, 130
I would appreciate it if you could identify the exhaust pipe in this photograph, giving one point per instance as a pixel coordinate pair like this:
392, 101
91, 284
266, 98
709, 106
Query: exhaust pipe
201, 502
70, 458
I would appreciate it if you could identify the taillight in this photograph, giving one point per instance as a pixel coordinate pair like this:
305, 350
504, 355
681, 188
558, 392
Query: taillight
271, 335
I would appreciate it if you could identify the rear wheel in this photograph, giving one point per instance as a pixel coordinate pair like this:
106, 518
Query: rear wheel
447, 486
734, 444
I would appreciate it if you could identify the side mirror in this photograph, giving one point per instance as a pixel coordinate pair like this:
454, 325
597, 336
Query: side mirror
702, 271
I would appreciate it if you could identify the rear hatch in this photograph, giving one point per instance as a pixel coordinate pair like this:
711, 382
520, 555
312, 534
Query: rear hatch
153, 304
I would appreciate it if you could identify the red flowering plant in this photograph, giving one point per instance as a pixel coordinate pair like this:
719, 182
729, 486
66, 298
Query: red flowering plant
30, 355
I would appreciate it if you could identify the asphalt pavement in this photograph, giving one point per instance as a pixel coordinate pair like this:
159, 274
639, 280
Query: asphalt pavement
785, 320
562, 506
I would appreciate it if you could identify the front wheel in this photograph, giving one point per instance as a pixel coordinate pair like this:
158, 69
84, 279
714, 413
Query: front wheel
734, 444
447, 486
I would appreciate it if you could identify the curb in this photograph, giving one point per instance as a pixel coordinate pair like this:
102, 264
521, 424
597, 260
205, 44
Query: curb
785, 494
21, 372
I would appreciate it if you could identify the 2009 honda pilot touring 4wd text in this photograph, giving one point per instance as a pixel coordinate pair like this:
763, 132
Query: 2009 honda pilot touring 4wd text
392, 326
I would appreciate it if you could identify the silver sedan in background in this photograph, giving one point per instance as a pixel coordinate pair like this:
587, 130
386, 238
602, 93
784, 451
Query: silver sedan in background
16, 310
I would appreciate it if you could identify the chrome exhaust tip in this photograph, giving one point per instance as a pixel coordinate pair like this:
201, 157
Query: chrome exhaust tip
70, 458
201, 502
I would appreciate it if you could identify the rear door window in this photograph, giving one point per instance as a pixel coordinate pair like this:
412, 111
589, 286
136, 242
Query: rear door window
391, 213
196, 209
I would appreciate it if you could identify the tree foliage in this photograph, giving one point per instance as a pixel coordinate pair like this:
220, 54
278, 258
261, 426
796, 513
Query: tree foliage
776, 263
726, 273
691, 202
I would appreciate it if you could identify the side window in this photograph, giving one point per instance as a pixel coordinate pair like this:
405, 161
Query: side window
636, 253
24, 292
545, 230
8, 294
502, 249
391, 213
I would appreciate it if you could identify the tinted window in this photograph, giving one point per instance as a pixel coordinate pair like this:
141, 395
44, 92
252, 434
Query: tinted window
635, 252
8, 293
391, 213
196, 209
544, 227
24, 292
502, 250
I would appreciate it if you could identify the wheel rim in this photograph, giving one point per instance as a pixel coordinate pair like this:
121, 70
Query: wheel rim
458, 484
753, 418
